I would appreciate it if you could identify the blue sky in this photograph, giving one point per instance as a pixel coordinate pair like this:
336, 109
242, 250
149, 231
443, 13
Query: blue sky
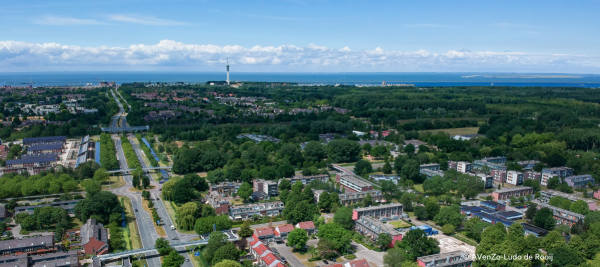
522, 36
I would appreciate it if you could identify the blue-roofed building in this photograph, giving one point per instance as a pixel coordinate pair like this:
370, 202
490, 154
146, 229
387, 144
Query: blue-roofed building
510, 215
425, 228
533, 230
44, 140
469, 210
492, 219
493, 205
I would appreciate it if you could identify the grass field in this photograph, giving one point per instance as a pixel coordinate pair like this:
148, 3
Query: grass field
115, 181
456, 131
400, 224
171, 211
134, 234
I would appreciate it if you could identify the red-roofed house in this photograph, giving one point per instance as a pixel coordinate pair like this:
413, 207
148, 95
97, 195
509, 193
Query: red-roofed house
282, 231
265, 233
260, 250
308, 226
335, 265
357, 263
269, 260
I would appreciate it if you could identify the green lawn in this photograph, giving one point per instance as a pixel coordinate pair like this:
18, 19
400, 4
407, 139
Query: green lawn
419, 188
400, 224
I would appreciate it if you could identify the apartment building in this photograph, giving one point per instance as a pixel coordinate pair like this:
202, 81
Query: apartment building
353, 184
31, 245
58, 259
532, 175
580, 181
244, 212
514, 177
499, 176
461, 166
380, 178
495, 163
307, 179
227, 189
68, 205
488, 180
504, 194
561, 172
562, 216
382, 211
350, 198
431, 166
546, 195
449, 259
431, 173
528, 164
266, 186
371, 227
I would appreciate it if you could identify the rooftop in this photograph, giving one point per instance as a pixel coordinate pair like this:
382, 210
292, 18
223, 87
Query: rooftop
492, 203
535, 229
45, 147
306, 225
384, 206
505, 190
44, 139
441, 256
509, 213
354, 180
27, 242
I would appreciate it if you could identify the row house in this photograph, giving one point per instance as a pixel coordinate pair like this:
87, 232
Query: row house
580, 181
431, 173
44, 140
504, 194
546, 195
562, 216
528, 164
266, 186
349, 198
244, 212
264, 255
219, 202
45, 149
561, 172
371, 227
281, 231
514, 177
495, 163
382, 211
31, 165
352, 183
323, 178
31, 245
58, 259
449, 259
227, 189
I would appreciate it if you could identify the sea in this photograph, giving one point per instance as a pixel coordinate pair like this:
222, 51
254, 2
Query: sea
427, 79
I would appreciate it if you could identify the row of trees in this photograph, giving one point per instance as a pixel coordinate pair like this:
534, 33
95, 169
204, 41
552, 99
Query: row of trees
184, 189
108, 158
130, 156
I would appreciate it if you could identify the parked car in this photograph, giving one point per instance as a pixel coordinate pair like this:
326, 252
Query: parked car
326, 262
136, 210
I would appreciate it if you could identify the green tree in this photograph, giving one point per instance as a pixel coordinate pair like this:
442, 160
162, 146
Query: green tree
245, 230
432, 208
162, 246
245, 191
387, 168
363, 167
383, 240
410, 171
216, 240
343, 150
448, 229
145, 181
228, 263
577, 244
226, 252
368, 201
394, 257
565, 256
553, 240
531, 211
544, 219
173, 260
314, 151
343, 217
420, 213
297, 238
70, 186
580, 207
101, 175
409, 149
324, 201
449, 215
284, 184
416, 244
337, 234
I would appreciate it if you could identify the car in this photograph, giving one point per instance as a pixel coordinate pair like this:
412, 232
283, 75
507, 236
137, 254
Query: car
326, 262
136, 210
283, 259
409, 220
175, 238
187, 259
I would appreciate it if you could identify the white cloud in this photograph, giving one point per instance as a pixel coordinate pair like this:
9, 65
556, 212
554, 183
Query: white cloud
64, 21
172, 55
135, 19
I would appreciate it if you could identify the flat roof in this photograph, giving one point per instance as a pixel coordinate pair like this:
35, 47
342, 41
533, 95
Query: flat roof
509, 213
44, 139
45, 147
513, 189
385, 206
441, 256
491, 203
534, 229
30, 160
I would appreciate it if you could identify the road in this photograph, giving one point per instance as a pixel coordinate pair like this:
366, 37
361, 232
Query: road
144, 220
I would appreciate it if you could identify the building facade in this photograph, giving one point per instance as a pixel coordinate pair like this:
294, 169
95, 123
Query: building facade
244, 212
266, 186
504, 194
546, 195
564, 217
580, 181
514, 177
382, 211
353, 184
450, 259
371, 227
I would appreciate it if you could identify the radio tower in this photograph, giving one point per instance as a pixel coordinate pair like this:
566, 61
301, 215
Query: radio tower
227, 71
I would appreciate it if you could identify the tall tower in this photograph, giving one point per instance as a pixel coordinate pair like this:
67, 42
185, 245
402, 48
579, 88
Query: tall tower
227, 71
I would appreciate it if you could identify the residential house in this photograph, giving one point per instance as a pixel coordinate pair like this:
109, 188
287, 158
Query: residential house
309, 226
281, 231
32, 245
371, 227
94, 238
507, 193
546, 195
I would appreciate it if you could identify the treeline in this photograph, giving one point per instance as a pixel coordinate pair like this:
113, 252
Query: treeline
14, 185
108, 158
147, 151
132, 160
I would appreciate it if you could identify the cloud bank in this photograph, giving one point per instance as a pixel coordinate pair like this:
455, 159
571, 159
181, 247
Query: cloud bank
172, 55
